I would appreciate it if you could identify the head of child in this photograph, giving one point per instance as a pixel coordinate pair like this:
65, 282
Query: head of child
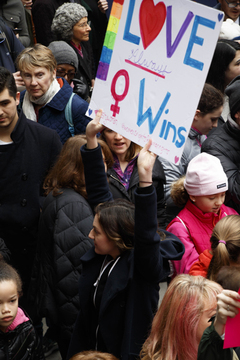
229, 277
205, 184
225, 245
209, 109
10, 290
184, 314
93, 355
113, 228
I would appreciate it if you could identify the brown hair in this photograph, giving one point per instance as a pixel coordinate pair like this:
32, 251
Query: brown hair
228, 230
93, 355
210, 100
36, 56
229, 277
179, 193
68, 172
117, 221
132, 151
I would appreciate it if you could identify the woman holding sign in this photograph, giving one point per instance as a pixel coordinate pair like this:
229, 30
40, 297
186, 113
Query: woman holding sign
123, 175
119, 283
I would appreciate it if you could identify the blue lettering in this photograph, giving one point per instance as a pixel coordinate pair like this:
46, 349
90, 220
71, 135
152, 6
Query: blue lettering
163, 128
148, 114
194, 39
170, 126
181, 137
127, 35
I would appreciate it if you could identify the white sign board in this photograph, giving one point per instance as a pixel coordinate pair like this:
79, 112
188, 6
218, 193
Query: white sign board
153, 66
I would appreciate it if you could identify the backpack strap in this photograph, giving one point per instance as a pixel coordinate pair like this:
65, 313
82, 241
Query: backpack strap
183, 225
68, 115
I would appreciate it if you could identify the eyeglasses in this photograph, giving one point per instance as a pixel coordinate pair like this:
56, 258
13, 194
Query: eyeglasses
232, 4
85, 25
63, 73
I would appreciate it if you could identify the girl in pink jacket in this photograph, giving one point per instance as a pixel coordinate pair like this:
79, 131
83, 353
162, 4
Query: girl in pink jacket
203, 190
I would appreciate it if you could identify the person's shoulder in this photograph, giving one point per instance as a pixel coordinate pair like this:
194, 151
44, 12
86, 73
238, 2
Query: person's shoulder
77, 100
213, 138
67, 197
228, 210
40, 129
41, 134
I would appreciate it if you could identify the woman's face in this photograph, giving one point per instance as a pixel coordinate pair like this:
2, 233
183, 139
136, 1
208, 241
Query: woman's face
205, 316
233, 69
103, 245
37, 80
116, 142
81, 31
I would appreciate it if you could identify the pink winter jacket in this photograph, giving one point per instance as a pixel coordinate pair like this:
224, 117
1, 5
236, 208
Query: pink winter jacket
194, 230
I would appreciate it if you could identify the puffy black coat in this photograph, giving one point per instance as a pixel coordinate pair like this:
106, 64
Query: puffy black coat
21, 343
64, 225
224, 143
119, 191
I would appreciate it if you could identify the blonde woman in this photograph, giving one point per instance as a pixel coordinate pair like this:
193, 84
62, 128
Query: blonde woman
188, 305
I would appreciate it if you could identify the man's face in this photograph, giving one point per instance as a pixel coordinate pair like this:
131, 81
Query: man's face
8, 110
230, 13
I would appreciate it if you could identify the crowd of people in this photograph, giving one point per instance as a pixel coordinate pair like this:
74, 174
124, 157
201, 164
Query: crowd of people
91, 223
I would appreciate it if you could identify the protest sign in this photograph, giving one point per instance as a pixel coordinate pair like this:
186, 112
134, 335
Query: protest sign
153, 66
231, 338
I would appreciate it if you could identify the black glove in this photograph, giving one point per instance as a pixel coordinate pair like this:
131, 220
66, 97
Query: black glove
80, 88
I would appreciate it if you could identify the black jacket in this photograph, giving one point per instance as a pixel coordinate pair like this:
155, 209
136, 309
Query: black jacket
85, 65
119, 191
65, 223
21, 343
8, 54
24, 165
224, 143
130, 296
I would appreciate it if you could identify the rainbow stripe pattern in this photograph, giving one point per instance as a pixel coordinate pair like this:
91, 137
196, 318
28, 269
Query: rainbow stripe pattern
109, 40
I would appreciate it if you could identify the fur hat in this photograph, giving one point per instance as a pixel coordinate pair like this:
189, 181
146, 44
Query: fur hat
233, 92
66, 16
205, 176
229, 30
63, 53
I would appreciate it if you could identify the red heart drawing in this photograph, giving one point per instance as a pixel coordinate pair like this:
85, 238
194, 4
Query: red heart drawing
176, 159
151, 20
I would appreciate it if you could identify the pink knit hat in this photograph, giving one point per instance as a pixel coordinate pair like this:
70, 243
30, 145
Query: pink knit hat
205, 176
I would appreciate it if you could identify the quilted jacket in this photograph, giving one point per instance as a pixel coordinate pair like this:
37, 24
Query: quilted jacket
65, 223
52, 114
224, 143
